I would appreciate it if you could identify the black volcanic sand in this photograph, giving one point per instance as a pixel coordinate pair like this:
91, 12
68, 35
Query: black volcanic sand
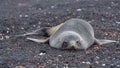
21, 16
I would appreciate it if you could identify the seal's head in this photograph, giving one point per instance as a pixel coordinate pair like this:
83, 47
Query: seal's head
69, 40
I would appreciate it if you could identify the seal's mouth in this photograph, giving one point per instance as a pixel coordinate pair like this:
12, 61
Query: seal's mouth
71, 48
75, 47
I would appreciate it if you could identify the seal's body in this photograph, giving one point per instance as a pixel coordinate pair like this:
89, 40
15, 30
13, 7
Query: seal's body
78, 28
72, 34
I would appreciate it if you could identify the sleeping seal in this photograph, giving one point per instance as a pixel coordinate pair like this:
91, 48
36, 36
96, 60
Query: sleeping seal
72, 34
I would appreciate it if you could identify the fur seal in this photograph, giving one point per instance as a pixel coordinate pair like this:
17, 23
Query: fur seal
72, 34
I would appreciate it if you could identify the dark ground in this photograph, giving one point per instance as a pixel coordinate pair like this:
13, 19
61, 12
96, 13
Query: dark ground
20, 16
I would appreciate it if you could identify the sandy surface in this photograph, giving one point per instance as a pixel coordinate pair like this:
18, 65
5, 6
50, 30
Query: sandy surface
21, 16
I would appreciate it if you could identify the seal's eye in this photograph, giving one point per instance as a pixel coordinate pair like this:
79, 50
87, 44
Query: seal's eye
64, 44
78, 43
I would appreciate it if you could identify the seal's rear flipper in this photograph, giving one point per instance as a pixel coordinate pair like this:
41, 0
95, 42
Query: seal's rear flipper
102, 41
41, 32
39, 40
45, 31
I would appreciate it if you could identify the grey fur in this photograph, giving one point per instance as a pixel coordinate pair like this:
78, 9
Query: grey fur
78, 26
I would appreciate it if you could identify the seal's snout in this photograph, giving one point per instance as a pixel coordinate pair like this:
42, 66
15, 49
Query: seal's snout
70, 45
74, 47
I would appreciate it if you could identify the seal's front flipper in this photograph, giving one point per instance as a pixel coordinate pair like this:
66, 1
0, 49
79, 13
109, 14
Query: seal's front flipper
39, 40
103, 41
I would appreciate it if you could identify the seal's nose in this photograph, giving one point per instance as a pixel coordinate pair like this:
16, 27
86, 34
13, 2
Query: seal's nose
72, 43
72, 47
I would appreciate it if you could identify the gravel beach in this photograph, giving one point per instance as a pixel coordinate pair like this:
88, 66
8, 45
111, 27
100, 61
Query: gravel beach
21, 16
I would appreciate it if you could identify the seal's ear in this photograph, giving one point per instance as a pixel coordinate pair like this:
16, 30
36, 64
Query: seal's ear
103, 41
